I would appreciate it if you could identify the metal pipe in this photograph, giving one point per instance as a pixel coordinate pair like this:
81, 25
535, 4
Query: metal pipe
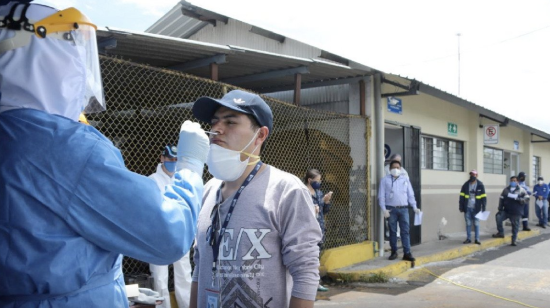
379, 155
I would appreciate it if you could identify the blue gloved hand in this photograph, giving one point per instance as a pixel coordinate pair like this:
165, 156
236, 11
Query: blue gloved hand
193, 147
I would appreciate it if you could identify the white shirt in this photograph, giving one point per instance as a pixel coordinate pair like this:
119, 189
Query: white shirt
161, 178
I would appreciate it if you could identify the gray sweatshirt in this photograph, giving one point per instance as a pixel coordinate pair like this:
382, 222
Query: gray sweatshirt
269, 252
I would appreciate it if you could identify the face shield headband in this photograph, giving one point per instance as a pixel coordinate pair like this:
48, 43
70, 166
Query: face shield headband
69, 26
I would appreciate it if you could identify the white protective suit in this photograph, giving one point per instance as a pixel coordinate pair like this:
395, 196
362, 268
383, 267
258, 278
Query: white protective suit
182, 267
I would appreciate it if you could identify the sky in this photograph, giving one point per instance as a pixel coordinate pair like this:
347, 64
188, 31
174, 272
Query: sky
504, 46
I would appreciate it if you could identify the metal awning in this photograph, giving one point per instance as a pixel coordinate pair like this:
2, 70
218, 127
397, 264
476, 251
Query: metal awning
259, 71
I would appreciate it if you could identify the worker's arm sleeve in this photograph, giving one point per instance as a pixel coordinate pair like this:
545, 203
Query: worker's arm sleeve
483, 198
461, 199
410, 195
326, 207
501, 201
124, 212
196, 261
300, 234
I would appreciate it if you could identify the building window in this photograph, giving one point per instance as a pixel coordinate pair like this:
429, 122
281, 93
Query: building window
536, 168
442, 154
493, 160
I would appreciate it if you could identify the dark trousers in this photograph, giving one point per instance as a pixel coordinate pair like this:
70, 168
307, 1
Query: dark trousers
525, 216
501, 216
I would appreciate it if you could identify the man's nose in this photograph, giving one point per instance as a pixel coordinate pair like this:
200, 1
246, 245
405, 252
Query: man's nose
216, 129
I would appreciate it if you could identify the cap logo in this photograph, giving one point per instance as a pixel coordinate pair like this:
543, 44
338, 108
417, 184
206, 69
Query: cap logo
238, 101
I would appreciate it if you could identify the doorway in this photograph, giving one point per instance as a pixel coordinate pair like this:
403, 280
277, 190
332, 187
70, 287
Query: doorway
405, 140
511, 164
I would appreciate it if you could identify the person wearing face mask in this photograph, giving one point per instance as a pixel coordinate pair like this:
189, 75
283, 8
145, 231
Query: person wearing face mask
70, 209
321, 203
525, 216
510, 206
164, 176
472, 201
397, 157
541, 193
257, 237
395, 197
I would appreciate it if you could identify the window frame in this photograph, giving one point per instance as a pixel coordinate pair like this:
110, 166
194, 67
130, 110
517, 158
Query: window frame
485, 165
441, 153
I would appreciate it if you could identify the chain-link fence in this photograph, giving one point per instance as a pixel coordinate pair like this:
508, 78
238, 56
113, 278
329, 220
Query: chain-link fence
146, 107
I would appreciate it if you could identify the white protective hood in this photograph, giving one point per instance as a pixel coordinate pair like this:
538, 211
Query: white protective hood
47, 74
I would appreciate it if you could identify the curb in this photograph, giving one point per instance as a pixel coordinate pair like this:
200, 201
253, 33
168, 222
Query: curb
400, 267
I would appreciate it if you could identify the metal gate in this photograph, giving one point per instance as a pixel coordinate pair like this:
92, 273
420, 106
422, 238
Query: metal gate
411, 157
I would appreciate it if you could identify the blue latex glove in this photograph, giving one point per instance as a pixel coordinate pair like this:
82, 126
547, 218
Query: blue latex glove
193, 147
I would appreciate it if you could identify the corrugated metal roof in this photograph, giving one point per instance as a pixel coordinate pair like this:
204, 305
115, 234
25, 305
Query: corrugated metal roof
175, 24
167, 52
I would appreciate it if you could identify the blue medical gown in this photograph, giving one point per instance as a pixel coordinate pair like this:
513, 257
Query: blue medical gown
69, 208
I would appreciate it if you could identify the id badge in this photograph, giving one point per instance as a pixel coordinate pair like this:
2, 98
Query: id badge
213, 298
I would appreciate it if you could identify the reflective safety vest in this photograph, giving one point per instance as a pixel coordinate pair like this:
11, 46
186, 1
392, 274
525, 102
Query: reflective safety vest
481, 197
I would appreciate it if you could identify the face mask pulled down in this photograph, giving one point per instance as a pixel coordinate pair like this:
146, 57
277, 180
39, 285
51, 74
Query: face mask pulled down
226, 165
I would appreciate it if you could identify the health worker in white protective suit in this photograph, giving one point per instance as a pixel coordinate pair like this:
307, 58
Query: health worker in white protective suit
164, 176
69, 208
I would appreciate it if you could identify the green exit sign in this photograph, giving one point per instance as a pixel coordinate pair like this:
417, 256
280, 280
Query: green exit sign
452, 129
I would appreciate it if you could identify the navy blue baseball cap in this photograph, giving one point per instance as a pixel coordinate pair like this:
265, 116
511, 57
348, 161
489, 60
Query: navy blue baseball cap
170, 151
240, 101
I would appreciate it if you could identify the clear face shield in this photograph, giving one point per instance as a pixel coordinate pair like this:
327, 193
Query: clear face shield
70, 26
84, 39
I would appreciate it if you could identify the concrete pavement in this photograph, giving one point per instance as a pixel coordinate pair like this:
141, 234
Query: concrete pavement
429, 252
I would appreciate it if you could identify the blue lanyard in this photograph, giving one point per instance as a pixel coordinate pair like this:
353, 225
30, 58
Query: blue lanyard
393, 181
211, 232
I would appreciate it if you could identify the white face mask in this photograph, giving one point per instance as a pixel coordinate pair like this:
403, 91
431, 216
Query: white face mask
225, 164
541, 182
395, 172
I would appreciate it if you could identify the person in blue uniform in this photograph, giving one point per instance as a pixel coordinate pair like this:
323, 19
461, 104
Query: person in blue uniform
69, 208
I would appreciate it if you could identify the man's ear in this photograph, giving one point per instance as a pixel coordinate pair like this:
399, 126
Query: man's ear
262, 135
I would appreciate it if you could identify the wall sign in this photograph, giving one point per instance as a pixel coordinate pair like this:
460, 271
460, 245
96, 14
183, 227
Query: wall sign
395, 105
490, 134
452, 129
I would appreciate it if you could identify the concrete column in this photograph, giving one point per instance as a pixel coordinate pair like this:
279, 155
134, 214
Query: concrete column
379, 156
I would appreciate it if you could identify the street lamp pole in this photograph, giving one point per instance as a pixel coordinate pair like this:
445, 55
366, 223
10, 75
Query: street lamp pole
458, 36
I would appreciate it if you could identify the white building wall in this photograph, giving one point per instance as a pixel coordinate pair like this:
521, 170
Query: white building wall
440, 189
542, 150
